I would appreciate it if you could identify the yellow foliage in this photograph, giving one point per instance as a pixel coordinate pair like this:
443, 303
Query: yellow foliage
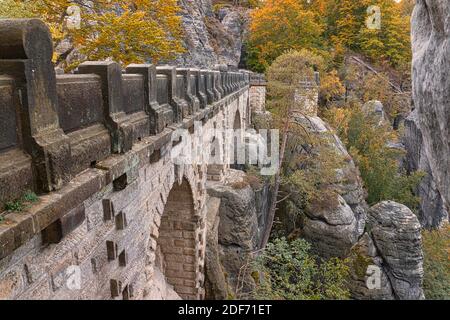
329, 27
280, 25
331, 86
131, 31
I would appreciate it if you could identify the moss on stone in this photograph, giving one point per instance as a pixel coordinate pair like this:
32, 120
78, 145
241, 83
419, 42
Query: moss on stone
360, 261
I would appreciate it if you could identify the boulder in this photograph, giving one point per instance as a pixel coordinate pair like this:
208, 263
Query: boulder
332, 232
396, 233
388, 255
375, 108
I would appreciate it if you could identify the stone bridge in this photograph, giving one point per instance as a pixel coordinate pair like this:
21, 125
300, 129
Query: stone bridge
115, 217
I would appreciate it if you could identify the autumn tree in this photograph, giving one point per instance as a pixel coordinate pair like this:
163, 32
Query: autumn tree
292, 94
371, 147
281, 25
331, 28
391, 42
125, 31
144, 30
348, 19
331, 87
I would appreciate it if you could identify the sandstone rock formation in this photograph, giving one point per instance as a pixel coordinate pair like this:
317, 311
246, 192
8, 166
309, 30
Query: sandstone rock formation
211, 39
393, 244
235, 220
332, 232
376, 109
431, 90
432, 212
235, 22
364, 254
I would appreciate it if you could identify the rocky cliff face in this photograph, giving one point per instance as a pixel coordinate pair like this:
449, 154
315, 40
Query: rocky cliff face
432, 211
212, 38
235, 220
431, 96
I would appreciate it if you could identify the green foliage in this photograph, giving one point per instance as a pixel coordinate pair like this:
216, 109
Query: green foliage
359, 261
436, 247
367, 142
310, 170
30, 197
21, 204
14, 206
288, 271
284, 76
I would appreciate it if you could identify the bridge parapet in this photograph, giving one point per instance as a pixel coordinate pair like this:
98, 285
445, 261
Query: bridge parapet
73, 137
60, 125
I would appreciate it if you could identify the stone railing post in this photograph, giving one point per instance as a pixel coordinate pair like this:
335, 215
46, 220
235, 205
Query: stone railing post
194, 103
26, 50
217, 88
174, 101
201, 88
229, 89
155, 111
111, 76
208, 79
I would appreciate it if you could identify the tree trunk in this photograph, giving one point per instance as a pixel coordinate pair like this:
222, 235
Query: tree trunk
273, 206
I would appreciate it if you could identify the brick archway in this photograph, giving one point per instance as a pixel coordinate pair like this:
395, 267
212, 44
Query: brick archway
237, 139
176, 245
237, 120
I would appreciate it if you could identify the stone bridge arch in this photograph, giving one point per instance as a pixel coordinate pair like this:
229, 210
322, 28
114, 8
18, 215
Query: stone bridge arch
237, 123
236, 147
108, 180
177, 252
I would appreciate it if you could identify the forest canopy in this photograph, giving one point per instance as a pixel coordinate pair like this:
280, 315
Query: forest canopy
379, 29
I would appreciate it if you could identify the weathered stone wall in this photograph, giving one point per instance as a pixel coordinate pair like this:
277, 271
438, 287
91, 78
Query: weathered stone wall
96, 146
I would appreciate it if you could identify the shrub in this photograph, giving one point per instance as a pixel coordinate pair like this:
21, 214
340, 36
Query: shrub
14, 206
288, 271
367, 142
436, 247
331, 87
22, 203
